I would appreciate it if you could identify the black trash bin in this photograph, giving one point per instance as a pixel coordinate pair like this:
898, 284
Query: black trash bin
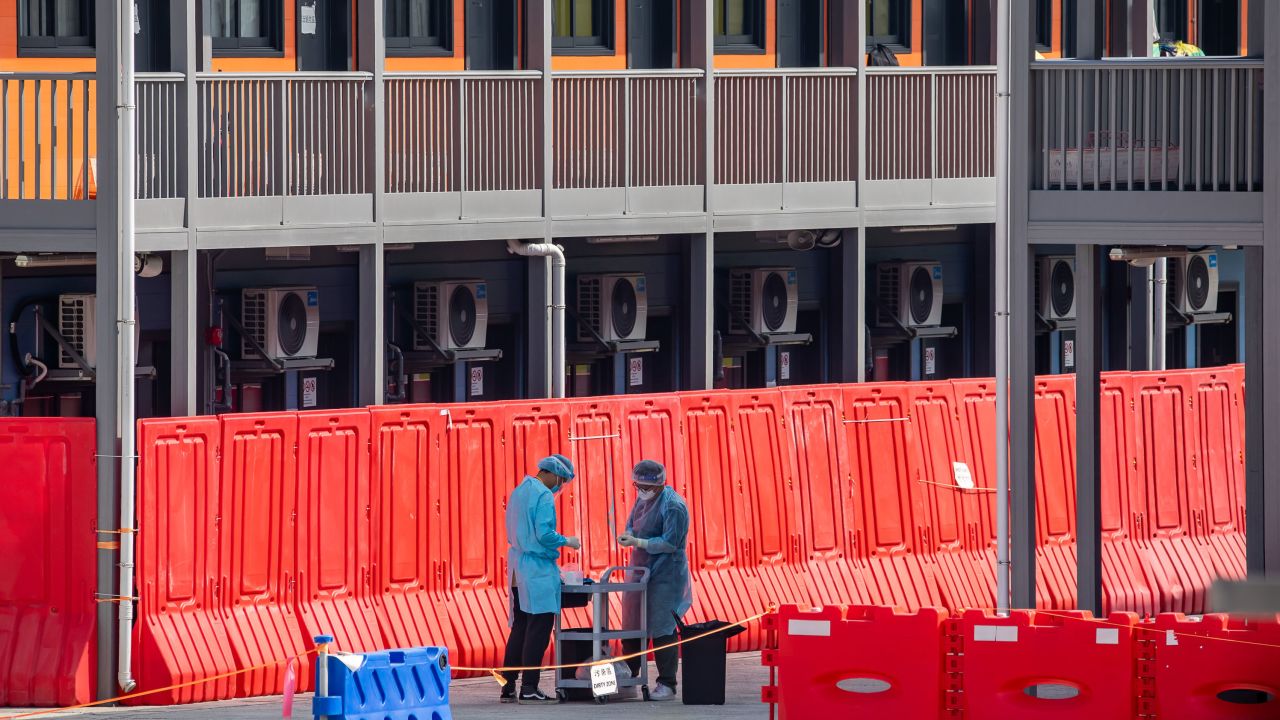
702, 662
573, 652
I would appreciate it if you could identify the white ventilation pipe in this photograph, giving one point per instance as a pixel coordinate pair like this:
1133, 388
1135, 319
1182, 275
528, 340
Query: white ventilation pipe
556, 307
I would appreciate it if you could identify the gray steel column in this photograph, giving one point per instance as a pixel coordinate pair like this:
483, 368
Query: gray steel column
1022, 467
1255, 480
699, 373
185, 342
847, 320
1257, 25
1141, 27
537, 363
108, 262
1268, 515
1090, 18
373, 365
1089, 302
700, 264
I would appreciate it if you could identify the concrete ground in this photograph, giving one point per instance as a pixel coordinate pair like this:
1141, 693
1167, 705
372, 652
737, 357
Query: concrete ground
477, 699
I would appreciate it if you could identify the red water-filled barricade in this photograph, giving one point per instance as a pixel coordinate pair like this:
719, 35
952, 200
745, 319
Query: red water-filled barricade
49, 571
1048, 664
386, 526
1212, 668
862, 661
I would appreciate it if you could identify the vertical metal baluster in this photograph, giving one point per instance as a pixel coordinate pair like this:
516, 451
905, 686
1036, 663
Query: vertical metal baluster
1216, 138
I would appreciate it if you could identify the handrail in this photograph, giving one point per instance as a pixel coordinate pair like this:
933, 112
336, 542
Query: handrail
667, 73
467, 75
1149, 63
934, 70
284, 75
160, 77
11, 75
786, 72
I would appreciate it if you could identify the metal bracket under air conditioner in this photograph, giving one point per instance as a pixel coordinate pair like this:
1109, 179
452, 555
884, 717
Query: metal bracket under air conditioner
1181, 319
600, 347
437, 356
83, 373
265, 365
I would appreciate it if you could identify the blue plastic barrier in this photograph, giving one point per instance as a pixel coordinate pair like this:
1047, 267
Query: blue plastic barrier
410, 684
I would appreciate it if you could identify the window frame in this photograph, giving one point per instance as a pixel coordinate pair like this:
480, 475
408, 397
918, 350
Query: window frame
264, 46
55, 45
752, 43
1044, 26
596, 44
421, 46
901, 42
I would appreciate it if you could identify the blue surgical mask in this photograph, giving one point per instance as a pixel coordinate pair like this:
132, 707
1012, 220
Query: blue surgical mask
556, 490
647, 494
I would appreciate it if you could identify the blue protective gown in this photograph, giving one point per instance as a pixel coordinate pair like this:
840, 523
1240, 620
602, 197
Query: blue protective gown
664, 522
535, 546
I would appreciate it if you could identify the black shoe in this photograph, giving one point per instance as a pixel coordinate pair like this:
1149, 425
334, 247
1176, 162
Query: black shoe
507, 697
535, 698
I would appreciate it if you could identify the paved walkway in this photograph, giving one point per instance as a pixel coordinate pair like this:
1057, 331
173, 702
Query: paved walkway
477, 699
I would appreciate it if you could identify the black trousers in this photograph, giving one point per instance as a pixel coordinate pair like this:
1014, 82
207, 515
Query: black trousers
530, 635
668, 660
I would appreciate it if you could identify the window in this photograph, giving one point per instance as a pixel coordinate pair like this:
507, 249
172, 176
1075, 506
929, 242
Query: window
739, 26
1171, 19
55, 27
582, 27
1044, 25
889, 23
419, 27
246, 27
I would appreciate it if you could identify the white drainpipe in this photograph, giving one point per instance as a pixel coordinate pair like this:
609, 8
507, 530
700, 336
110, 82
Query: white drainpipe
125, 329
556, 308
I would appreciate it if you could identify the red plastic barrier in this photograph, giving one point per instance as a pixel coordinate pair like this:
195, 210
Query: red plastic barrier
334, 528
765, 468
48, 576
720, 518
179, 635
1059, 664
1220, 461
976, 408
1056, 492
878, 427
1166, 457
478, 478
824, 481
1124, 578
259, 564
872, 662
953, 513
1212, 669
409, 556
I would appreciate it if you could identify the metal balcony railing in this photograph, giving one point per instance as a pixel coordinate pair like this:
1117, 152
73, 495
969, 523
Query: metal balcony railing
786, 126
160, 137
1175, 124
47, 136
633, 128
282, 134
931, 123
451, 132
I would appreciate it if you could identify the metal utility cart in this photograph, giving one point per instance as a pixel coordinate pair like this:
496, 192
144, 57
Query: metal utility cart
600, 633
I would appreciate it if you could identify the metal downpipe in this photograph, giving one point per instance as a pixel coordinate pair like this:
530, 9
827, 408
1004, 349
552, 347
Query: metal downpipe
125, 331
556, 308
1002, 250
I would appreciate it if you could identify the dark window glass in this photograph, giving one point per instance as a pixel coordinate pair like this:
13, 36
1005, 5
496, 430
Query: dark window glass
1044, 25
889, 23
56, 27
739, 26
581, 26
250, 27
1171, 19
419, 27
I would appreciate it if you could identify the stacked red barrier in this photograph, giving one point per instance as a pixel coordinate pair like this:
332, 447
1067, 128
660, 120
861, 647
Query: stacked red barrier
877, 662
385, 526
49, 574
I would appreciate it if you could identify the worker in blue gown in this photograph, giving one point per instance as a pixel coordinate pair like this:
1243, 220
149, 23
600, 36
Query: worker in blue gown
534, 575
658, 531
